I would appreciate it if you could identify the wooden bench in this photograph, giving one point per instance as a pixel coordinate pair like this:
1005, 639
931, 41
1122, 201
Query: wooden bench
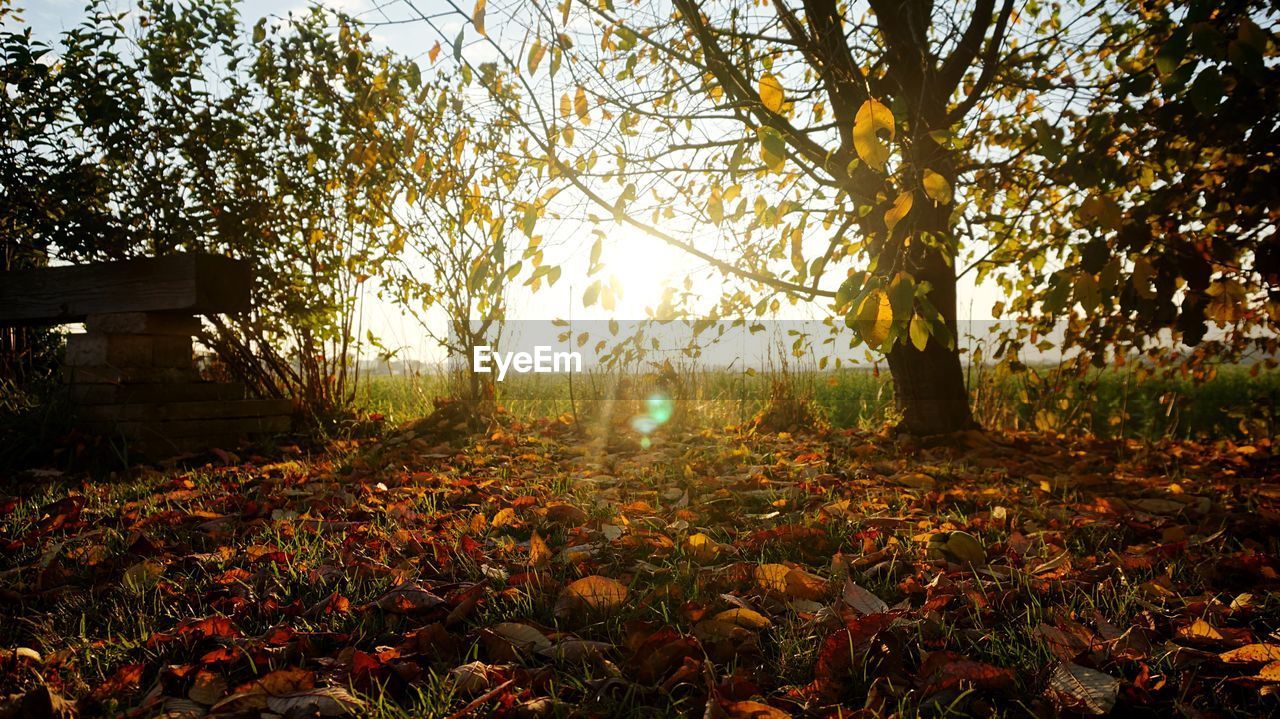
131, 374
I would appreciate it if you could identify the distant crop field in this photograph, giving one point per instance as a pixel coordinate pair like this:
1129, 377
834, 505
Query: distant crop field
1235, 402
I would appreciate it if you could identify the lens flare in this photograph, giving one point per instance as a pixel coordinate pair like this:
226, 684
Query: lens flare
658, 409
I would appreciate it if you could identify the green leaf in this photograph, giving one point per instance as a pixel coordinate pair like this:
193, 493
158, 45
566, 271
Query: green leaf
1206, 91
772, 148
1170, 54
457, 45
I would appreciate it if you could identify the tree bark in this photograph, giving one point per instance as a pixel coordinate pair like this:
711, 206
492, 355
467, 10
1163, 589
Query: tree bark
929, 388
929, 384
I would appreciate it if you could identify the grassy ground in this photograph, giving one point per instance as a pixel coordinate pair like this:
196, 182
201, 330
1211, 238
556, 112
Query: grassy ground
1235, 402
541, 571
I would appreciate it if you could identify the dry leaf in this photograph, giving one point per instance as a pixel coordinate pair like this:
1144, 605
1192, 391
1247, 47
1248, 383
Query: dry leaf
745, 618
321, 701
862, 600
1085, 689
593, 594
772, 577
1252, 654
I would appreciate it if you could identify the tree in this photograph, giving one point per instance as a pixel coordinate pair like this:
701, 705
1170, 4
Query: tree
465, 205
281, 147
49, 189
1166, 238
804, 137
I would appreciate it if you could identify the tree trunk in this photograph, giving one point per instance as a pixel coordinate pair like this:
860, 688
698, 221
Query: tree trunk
929, 389
929, 384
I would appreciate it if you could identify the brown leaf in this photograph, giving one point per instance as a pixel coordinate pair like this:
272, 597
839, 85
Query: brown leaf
862, 600
409, 599
945, 671
1085, 689
207, 688
803, 585
322, 701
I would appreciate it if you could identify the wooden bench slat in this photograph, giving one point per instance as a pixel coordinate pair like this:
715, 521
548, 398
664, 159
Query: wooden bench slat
190, 283
172, 411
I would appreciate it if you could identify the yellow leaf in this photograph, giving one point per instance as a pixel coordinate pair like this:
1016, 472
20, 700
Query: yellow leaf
875, 318
1270, 672
1252, 654
872, 119
937, 187
566, 106
771, 93
898, 212
580, 106
434, 52
539, 552
594, 593
536, 51
919, 331
772, 577
477, 16
745, 618
702, 547
1200, 629
504, 518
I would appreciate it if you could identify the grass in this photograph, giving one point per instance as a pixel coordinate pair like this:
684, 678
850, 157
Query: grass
269, 544
1236, 401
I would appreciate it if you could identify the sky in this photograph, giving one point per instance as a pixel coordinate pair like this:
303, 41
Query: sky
640, 264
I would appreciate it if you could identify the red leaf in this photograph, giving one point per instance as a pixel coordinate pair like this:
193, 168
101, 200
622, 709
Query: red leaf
843, 652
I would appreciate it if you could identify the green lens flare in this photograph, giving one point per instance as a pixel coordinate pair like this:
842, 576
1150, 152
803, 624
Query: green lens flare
660, 407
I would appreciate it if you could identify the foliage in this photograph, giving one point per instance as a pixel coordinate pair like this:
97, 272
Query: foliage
279, 147
1161, 224
464, 237
43, 183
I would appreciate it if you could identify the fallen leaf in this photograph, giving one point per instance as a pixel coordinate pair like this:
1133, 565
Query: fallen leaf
471, 678
521, 636
745, 618
862, 600
914, 480
321, 701
752, 710
593, 594
1252, 654
408, 599
772, 577
207, 688
1085, 689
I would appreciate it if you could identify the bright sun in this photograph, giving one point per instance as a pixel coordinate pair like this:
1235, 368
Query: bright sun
641, 267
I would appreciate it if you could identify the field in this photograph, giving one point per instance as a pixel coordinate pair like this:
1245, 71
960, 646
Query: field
1235, 402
